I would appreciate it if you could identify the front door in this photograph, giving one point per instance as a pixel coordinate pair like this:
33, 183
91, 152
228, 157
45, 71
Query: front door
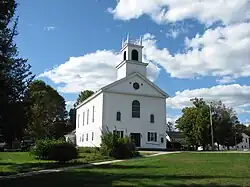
136, 137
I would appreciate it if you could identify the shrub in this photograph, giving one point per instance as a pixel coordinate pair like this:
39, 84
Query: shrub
63, 152
88, 150
50, 149
114, 146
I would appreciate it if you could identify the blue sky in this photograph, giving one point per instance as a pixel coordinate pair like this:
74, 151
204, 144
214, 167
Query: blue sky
194, 48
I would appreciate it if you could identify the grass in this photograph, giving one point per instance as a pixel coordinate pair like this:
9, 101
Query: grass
175, 170
16, 162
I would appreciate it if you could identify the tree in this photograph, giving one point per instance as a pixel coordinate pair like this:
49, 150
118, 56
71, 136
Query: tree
226, 129
170, 126
83, 96
194, 123
15, 76
72, 112
47, 113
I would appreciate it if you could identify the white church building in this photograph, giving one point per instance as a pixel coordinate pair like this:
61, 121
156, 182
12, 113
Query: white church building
132, 105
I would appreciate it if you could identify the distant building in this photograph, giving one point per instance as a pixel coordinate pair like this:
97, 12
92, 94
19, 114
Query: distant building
243, 145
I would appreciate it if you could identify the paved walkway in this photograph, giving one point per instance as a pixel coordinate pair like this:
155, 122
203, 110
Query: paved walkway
27, 174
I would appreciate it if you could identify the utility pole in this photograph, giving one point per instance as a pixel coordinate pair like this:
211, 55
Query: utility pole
211, 123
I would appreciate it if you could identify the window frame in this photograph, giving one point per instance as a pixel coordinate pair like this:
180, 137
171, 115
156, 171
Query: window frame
93, 114
120, 133
87, 116
83, 118
136, 109
118, 116
152, 137
135, 55
152, 118
87, 137
92, 136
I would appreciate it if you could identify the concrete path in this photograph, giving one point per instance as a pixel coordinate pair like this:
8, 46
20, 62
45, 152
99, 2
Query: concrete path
27, 174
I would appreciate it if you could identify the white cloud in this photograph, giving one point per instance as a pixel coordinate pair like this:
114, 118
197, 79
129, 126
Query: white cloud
162, 11
233, 95
225, 80
49, 28
69, 104
91, 71
177, 29
223, 51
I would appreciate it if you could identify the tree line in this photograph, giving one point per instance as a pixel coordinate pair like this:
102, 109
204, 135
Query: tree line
204, 123
28, 107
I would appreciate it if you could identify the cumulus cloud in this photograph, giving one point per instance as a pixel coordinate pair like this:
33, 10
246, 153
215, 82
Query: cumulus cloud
234, 95
220, 52
225, 80
91, 71
162, 11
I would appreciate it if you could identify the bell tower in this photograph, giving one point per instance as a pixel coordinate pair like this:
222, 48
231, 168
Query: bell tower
132, 59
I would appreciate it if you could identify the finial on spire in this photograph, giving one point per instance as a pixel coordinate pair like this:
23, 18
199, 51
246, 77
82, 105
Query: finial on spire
128, 38
122, 42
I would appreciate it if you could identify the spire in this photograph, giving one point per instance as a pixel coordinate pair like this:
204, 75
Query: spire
122, 42
128, 38
140, 40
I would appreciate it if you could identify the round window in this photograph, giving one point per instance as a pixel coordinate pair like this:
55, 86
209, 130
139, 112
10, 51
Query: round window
136, 86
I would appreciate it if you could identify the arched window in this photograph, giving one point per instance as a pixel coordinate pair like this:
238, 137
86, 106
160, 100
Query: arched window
135, 55
124, 55
118, 116
152, 118
135, 109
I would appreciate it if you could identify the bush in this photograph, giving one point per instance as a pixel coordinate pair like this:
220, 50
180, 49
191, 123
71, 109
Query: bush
50, 149
63, 152
88, 149
114, 146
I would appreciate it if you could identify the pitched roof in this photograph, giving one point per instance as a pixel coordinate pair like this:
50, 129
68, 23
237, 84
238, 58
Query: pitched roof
119, 81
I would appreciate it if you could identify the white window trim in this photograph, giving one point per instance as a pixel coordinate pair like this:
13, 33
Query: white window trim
152, 142
83, 118
93, 114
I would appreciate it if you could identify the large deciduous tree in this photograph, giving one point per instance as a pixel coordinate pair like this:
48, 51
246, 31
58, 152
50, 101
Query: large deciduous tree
15, 76
72, 112
47, 112
83, 96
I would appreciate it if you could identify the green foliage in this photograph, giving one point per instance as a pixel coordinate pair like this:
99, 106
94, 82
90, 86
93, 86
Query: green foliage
195, 124
47, 113
63, 152
83, 96
88, 149
51, 149
114, 146
42, 148
15, 76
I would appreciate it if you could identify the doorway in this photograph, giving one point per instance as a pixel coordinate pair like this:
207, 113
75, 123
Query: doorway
136, 137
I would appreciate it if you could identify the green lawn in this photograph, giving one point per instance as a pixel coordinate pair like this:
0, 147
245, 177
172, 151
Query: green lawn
15, 162
176, 170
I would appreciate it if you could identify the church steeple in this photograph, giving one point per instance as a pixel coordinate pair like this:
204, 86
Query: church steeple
132, 58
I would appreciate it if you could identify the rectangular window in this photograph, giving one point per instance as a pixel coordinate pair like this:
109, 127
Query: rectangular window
88, 116
78, 120
83, 116
87, 138
120, 133
152, 137
83, 137
92, 136
80, 139
93, 114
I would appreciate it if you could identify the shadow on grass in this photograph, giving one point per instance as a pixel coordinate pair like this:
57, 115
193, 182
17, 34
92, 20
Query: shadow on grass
14, 168
118, 175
